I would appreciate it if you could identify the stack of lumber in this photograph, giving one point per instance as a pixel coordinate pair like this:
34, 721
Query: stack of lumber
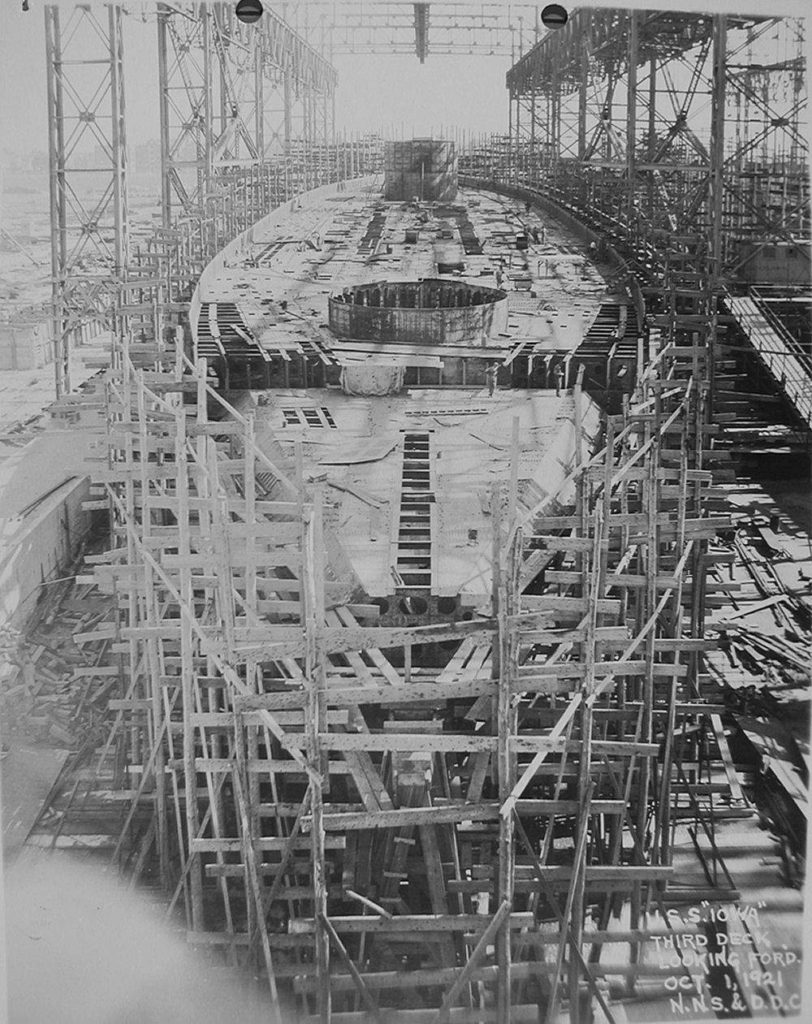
790, 656
46, 690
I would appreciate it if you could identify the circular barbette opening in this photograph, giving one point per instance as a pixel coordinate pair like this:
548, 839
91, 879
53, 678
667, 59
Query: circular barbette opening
429, 312
429, 294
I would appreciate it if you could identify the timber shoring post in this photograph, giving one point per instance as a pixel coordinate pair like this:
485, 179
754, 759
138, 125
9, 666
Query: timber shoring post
315, 726
187, 673
648, 603
663, 848
491, 933
253, 671
215, 545
504, 670
576, 910
153, 693
366, 996
575, 947
249, 854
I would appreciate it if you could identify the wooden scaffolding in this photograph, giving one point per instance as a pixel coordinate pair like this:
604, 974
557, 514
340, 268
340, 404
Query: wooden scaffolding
489, 839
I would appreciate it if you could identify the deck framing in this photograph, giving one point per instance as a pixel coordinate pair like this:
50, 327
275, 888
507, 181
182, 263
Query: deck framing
317, 807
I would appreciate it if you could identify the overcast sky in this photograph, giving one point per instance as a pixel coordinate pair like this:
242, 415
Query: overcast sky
374, 90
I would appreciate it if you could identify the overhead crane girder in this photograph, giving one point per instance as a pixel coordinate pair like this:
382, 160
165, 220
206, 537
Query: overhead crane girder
668, 112
604, 35
489, 28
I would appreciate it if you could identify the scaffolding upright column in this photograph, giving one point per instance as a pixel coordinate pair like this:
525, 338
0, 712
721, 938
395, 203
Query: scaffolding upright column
89, 239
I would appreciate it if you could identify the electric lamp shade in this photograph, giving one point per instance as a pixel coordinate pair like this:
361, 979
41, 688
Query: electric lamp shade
554, 16
249, 11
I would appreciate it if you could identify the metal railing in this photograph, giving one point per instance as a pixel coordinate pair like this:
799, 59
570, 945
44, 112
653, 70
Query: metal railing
785, 359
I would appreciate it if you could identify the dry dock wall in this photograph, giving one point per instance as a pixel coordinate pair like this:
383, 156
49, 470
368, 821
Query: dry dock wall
25, 346
42, 522
27, 340
37, 547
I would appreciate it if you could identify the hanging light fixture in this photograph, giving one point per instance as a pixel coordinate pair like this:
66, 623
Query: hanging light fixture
249, 11
554, 16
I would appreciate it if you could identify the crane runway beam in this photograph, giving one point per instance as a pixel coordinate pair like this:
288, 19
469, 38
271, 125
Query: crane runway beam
399, 26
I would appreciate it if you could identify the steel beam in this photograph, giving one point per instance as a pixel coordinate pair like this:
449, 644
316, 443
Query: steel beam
599, 74
237, 95
86, 142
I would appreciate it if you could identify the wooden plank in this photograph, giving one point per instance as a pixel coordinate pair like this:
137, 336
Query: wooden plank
265, 843
225, 719
393, 741
759, 606
411, 816
557, 603
430, 693
736, 791
368, 782
220, 765
441, 976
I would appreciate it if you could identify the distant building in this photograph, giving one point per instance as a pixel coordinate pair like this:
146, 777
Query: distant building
776, 263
